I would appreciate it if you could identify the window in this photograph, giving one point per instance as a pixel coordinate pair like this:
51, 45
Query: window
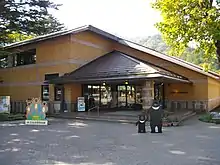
45, 92
25, 58
3, 61
58, 92
51, 76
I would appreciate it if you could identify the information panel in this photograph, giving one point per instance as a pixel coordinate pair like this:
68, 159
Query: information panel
4, 104
81, 104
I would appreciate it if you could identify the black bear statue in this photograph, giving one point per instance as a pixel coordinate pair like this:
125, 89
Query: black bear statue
141, 124
156, 115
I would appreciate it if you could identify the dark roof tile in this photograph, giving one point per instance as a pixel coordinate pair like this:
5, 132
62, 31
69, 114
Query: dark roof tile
116, 64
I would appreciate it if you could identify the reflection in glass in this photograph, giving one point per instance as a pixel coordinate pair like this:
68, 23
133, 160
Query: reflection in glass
96, 94
130, 95
138, 95
106, 96
121, 96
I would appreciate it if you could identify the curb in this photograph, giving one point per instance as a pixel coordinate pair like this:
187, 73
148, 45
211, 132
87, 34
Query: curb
104, 120
13, 122
99, 119
96, 119
185, 118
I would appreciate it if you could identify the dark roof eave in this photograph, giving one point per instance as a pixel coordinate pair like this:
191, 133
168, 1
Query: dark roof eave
101, 79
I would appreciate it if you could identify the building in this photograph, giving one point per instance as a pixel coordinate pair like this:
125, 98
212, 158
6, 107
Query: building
87, 61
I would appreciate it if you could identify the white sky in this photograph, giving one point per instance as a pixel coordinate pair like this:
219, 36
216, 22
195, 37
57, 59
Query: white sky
126, 18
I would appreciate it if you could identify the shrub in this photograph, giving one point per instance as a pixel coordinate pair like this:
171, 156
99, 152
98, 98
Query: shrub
10, 117
206, 118
4, 116
217, 121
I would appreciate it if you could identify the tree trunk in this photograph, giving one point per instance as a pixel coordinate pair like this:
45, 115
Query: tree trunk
217, 44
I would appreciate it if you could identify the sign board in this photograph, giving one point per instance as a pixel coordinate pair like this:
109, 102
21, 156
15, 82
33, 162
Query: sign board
4, 104
36, 122
81, 104
36, 112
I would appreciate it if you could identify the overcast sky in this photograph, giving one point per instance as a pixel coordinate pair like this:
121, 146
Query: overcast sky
127, 18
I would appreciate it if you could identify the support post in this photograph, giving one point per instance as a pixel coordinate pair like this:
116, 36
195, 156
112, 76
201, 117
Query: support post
147, 95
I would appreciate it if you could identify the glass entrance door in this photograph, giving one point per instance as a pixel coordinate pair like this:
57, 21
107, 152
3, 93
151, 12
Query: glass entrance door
130, 95
122, 96
126, 95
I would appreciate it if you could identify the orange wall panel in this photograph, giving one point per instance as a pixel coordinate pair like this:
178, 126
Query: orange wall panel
22, 93
64, 68
213, 93
53, 50
66, 53
76, 91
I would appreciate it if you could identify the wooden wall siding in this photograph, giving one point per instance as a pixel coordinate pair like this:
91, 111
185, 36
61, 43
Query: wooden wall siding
66, 53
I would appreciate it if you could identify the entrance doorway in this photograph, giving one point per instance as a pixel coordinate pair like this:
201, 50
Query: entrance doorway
100, 94
126, 95
113, 96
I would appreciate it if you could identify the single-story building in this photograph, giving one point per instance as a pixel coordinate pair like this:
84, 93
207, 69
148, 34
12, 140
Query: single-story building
116, 73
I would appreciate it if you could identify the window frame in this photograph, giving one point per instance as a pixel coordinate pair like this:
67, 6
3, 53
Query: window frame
56, 88
42, 92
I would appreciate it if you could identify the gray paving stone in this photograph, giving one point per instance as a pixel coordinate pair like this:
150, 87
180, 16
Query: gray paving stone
70, 142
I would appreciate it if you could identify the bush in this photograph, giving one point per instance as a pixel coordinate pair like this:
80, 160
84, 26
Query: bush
11, 117
16, 117
208, 117
217, 121
4, 116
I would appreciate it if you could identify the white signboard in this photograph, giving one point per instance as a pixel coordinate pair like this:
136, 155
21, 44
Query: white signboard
81, 104
4, 104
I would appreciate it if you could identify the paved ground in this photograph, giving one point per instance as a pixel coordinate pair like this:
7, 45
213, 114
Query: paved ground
96, 143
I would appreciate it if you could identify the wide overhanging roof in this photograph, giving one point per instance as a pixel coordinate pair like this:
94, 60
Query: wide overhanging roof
120, 40
116, 66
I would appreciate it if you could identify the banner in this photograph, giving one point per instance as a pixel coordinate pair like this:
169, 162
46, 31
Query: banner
4, 104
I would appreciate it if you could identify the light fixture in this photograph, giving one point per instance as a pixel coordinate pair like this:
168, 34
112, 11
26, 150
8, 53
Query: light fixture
126, 82
103, 84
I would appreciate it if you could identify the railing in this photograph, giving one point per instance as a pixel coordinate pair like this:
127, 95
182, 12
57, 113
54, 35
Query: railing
95, 107
53, 107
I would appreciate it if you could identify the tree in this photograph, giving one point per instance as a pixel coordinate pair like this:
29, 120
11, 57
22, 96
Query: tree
191, 21
156, 42
26, 18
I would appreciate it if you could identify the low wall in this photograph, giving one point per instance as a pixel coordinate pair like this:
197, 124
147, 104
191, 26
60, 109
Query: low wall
213, 103
194, 105
53, 107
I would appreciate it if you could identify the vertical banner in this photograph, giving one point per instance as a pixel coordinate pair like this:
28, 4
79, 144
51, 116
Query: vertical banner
81, 104
4, 104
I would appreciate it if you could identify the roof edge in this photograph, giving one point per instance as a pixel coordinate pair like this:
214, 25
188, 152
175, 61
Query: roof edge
122, 41
48, 36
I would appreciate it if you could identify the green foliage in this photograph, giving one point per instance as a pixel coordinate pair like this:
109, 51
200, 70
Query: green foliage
20, 19
206, 118
196, 57
155, 42
4, 116
16, 36
11, 117
209, 118
187, 21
